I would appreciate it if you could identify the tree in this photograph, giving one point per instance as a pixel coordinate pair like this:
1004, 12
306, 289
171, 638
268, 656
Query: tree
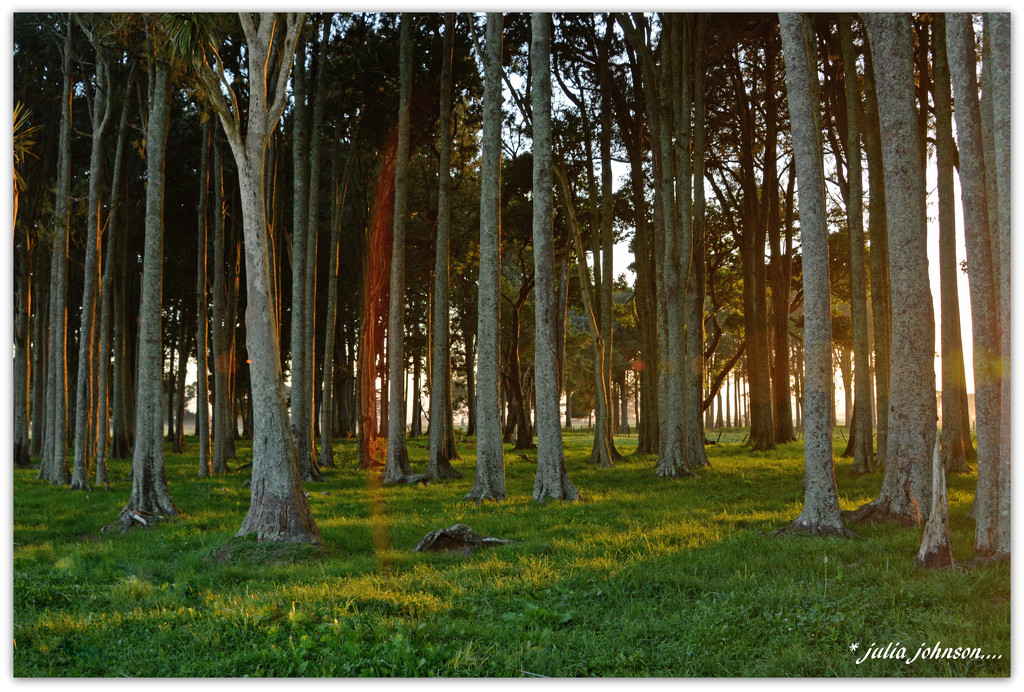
150, 493
906, 484
439, 465
85, 418
820, 514
552, 481
53, 465
396, 464
992, 534
202, 304
300, 415
956, 445
863, 453
489, 483
279, 510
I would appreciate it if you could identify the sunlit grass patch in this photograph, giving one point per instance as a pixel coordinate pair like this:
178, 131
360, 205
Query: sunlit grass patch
646, 577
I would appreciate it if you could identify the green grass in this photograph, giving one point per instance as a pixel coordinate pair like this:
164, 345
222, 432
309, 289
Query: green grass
646, 578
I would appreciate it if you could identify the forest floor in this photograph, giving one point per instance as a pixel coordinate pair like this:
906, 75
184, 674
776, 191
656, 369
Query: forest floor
647, 577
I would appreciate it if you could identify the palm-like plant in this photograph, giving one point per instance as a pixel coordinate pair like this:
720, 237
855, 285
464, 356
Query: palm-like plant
22, 147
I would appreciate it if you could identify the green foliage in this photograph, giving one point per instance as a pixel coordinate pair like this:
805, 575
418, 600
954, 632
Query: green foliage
645, 578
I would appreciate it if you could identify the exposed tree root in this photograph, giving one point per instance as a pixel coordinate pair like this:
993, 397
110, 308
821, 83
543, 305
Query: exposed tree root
406, 479
880, 512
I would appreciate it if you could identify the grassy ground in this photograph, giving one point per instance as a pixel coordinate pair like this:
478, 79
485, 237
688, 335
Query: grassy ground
646, 578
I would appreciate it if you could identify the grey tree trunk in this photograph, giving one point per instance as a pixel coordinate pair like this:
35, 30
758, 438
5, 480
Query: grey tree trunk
37, 368
396, 464
312, 229
300, 418
863, 451
202, 313
552, 480
906, 486
693, 299
937, 545
954, 453
820, 514
112, 252
53, 466
975, 190
223, 444
604, 452
279, 510
439, 465
327, 408
881, 304
490, 463
999, 58
149, 481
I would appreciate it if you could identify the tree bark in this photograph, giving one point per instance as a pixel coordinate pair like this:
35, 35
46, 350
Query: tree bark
975, 190
202, 314
396, 464
53, 466
863, 452
150, 492
881, 303
953, 451
439, 465
552, 480
820, 514
906, 486
490, 465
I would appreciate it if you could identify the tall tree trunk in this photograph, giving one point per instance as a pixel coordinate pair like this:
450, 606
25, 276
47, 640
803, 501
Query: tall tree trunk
300, 414
202, 314
863, 452
149, 481
439, 465
327, 408
223, 436
820, 514
489, 483
552, 480
693, 299
881, 303
279, 510
906, 486
37, 368
975, 189
53, 466
23, 307
998, 25
396, 465
953, 452
470, 339
184, 350
312, 230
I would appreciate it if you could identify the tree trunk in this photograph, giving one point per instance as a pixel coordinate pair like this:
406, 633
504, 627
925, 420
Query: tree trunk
975, 189
23, 306
552, 480
937, 545
953, 452
490, 464
53, 466
820, 514
222, 434
300, 415
396, 465
439, 465
863, 447
693, 299
85, 413
881, 304
906, 486
202, 315
149, 481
